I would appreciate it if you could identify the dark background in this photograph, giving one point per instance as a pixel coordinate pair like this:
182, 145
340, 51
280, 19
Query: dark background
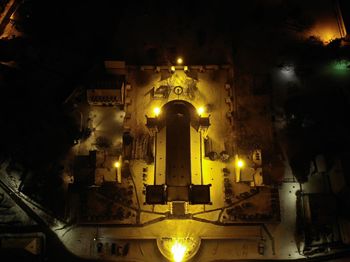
65, 41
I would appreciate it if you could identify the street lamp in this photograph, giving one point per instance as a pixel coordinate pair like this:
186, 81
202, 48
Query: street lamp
117, 165
179, 61
156, 111
240, 163
200, 110
288, 72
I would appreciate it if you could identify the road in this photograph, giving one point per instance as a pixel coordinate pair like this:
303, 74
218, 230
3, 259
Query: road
55, 250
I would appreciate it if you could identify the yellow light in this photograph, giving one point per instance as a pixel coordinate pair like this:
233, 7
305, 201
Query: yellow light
116, 164
200, 110
179, 61
156, 111
172, 69
240, 163
178, 250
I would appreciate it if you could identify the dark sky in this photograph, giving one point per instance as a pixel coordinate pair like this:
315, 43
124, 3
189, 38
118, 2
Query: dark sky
68, 40
151, 30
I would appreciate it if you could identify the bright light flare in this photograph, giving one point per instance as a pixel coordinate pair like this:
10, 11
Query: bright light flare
178, 251
240, 163
288, 71
341, 65
179, 60
200, 110
156, 111
117, 164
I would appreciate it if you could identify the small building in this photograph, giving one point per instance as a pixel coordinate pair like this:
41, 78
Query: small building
152, 124
155, 194
247, 174
320, 209
319, 212
22, 247
258, 177
200, 194
106, 90
95, 169
204, 124
162, 194
84, 169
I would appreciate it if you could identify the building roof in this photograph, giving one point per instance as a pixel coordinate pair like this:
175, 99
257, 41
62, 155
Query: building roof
177, 193
155, 194
106, 81
204, 122
84, 169
178, 209
200, 194
247, 174
152, 122
320, 208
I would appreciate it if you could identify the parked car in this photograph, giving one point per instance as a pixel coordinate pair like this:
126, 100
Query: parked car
261, 248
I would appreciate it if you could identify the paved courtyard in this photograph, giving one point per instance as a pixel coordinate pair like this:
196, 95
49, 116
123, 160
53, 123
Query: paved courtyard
228, 228
216, 224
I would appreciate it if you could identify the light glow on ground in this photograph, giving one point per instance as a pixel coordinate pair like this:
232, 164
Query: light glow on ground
178, 250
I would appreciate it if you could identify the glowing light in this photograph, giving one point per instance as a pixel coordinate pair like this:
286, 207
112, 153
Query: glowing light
172, 69
341, 65
178, 248
240, 163
117, 164
179, 61
339, 68
200, 110
288, 71
328, 34
178, 251
156, 111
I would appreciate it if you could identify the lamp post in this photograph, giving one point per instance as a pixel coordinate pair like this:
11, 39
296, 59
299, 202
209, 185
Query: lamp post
179, 60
